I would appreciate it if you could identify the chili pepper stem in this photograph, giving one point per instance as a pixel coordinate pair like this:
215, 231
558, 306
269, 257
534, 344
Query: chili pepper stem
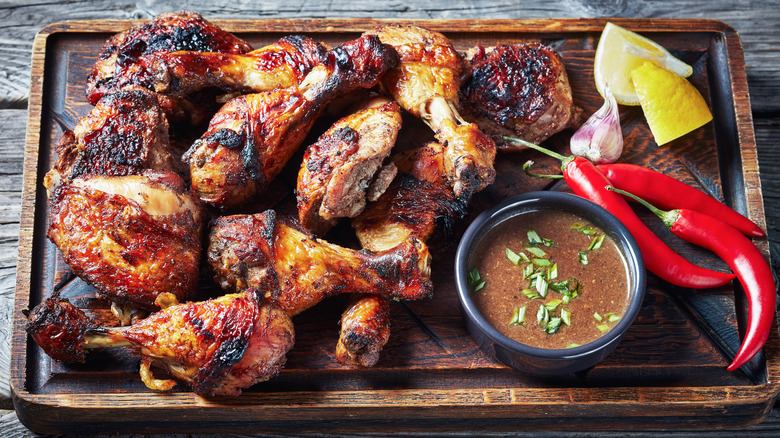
536, 147
527, 169
668, 217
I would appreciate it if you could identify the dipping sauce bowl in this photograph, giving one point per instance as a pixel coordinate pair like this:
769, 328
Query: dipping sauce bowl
535, 360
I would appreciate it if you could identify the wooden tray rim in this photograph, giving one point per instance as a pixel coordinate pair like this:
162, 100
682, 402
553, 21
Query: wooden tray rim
498, 402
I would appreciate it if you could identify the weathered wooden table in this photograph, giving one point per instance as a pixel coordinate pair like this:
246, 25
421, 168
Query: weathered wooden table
758, 23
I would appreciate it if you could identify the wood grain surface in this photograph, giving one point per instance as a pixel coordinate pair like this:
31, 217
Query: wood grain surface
757, 22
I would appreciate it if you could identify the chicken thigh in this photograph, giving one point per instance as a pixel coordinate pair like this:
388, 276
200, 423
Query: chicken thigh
132, 237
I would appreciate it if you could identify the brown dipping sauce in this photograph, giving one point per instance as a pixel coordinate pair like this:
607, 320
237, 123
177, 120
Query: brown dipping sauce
603, 282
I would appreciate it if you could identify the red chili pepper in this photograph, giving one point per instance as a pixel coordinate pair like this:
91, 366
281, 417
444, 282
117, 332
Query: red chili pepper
586, 181
743, 258
667, 193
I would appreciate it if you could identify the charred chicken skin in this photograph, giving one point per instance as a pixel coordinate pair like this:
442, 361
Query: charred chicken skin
416, 204
131, 237
519, 90
343, 169
426, 82
217, 347
124, 134
281, 65
365, 329
245, 250
130, 57
253, 136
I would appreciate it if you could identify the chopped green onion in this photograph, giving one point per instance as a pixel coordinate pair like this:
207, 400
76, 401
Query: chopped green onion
552, 273
475, 281
566, 299
548, 242
553, 325
572, 345
533, 237
530, 294
596, 243
518, 317
611, 317
598, 317
566, 316
541, 285
538, 252
552, 304
583, 257
528, 271
583, 229
512, 256
542, 316
603, 328
541, 262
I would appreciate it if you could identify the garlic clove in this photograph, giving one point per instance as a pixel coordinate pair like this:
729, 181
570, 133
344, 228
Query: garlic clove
600, 138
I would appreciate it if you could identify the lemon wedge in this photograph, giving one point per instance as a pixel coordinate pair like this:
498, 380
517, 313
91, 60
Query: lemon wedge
673, 107
619, 52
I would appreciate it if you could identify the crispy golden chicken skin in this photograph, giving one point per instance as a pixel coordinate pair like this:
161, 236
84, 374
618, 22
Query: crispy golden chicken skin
217, 347
132, 237
245, 250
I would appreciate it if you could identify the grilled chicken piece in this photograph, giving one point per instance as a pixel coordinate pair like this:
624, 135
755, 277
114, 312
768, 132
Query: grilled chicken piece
253, 136
124, 134
338, 171
245, 250
131, 237
281, 65
416, 204
217, 347
517, 90
131, 57
365, 329
426, 83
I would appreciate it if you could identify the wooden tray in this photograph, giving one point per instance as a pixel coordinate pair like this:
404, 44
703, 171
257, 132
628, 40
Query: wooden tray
668, 372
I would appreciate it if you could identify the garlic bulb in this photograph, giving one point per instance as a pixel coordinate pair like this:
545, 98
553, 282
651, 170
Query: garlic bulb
600, 138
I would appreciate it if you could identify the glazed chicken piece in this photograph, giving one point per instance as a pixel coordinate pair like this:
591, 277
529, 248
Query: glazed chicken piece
343, 169
217, 347
131, 237
245, 250
130, 57
416, 204
426, 83
252, 137
365, 329
124, 134
281, 65
519, 90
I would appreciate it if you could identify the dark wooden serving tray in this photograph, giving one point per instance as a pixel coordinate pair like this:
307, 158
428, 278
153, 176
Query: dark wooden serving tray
668, 372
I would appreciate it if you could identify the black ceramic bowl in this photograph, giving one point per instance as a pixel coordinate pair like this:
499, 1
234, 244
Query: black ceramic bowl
541, 361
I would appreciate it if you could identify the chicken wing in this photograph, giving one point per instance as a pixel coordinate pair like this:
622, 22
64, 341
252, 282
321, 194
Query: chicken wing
426, 82
519, 90
131, 237
124, 134
247, 249
365, 329
341, 171
253, 136
217, 347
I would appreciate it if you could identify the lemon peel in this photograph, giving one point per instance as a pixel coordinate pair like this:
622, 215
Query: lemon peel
619, 52
672, 106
